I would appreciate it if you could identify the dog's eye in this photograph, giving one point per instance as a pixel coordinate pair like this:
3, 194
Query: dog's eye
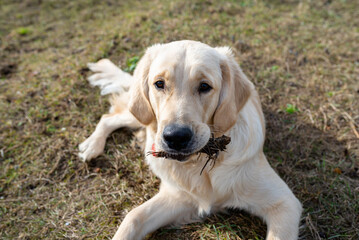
204, 87
160, 84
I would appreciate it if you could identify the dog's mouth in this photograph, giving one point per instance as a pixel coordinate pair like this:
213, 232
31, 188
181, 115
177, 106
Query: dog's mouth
179, 156
211, 149
175, 156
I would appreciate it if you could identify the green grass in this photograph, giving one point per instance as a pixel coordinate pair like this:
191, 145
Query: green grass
23, 31
291, 108
131, 64
301, 55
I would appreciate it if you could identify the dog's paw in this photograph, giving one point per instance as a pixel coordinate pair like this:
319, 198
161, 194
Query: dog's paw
91, 148
108, 77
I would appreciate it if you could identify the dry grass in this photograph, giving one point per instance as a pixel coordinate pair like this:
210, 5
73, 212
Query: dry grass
303, 53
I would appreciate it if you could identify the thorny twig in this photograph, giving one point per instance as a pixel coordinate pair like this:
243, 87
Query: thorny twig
212, 149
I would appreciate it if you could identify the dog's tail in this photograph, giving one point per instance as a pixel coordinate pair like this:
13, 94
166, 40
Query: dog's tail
109, 78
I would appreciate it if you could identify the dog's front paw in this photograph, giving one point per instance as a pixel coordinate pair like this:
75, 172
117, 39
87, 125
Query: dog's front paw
91, 147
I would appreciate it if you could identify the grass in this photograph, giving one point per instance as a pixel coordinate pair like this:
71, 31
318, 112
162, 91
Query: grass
131, 64
300, 53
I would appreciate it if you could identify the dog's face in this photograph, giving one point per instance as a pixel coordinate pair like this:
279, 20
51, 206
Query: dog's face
187, 90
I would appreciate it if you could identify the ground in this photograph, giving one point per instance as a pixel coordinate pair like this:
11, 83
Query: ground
301, 55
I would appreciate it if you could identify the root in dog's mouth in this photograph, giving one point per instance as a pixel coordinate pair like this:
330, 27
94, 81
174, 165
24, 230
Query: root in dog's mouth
211, 149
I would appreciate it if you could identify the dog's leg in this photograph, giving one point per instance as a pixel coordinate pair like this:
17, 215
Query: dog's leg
111, 80
283, 219
167, 207
271, 199
94, 145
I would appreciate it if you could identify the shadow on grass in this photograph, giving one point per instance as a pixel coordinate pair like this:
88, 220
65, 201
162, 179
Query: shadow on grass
321, 171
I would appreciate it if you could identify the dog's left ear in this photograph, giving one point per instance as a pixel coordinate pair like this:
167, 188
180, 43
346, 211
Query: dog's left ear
235, 91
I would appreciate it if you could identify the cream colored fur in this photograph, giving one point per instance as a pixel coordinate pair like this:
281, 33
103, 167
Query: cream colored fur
241, 177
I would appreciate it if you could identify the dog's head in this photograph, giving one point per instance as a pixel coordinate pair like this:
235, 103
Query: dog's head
187, 90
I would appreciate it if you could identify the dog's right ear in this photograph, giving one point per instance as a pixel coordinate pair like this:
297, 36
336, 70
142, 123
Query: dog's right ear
235, 92
139, 104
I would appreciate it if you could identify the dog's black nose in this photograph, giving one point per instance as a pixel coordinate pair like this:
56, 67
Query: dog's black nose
176, 136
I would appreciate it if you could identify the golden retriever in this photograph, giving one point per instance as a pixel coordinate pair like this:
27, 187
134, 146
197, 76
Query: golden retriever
181, 94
